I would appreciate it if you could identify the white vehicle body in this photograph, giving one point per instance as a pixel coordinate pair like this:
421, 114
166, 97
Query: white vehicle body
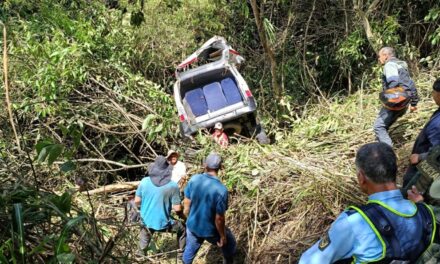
209, 89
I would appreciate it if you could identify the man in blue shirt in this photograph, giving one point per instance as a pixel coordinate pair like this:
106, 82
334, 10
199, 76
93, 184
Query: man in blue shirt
388, 227
395, 74
157, 195
205, 205
428, 137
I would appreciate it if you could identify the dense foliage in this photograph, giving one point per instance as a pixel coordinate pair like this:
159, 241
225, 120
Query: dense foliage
90, 86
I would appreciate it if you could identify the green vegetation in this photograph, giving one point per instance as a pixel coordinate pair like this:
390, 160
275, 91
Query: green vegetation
90, 86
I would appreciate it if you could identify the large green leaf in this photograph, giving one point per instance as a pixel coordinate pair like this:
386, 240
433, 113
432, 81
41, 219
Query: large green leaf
76, 135
47, 150
18, 226
42, 155
63, 202
43, 143
68, 166
61, 246
54, 153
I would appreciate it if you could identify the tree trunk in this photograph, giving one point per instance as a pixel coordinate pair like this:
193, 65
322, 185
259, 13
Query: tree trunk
267, 48
114, 188
363, 15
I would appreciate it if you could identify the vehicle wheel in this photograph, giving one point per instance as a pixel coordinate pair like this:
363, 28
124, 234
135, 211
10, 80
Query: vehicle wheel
231, 128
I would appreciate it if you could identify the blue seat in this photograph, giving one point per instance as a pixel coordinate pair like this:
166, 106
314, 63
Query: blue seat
231, 91
197, 102
214, 96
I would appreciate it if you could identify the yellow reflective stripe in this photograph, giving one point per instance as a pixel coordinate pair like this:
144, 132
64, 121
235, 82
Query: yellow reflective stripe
392, 210
384, 248
434, 221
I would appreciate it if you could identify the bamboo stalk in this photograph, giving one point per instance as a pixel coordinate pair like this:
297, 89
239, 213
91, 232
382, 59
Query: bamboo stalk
267, 47
5, 71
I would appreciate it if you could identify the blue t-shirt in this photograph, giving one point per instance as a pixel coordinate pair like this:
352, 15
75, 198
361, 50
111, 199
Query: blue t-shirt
157, 202
208, 197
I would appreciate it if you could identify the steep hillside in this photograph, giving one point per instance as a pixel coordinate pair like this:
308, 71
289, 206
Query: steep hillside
285, 195
87, 101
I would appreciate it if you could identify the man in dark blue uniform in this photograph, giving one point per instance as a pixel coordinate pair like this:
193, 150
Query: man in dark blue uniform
428, 137
387, 228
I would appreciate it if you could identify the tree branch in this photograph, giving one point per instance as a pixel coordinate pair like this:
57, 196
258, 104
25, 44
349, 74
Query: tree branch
124, 166
366, 24
116, 187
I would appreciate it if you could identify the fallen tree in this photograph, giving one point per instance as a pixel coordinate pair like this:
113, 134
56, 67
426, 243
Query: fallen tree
114, 188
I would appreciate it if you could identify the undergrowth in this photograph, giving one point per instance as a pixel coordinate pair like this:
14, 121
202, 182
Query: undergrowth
285, 195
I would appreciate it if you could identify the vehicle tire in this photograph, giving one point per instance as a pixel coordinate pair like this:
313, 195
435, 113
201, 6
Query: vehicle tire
231, 128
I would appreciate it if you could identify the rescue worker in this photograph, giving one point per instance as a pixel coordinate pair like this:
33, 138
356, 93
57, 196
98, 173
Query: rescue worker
157, 195
395, 74
220, 136
431, 170
428, 137
205, 205
387, 228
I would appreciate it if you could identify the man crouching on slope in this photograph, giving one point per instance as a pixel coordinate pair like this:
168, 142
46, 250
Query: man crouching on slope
387, 228
205, 204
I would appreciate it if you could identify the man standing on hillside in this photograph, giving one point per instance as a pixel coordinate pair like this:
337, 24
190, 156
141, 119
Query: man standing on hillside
428, 137
157, 195
387, 228
205, 205
395, 77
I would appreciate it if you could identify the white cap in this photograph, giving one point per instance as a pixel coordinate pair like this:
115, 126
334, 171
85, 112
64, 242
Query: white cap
171, 152
218, 125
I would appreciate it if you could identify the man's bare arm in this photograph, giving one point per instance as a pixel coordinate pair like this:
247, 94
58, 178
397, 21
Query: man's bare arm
186, 206
177, 208
221, 229
137, 200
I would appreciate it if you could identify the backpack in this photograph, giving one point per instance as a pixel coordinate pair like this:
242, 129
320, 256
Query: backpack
395, 99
